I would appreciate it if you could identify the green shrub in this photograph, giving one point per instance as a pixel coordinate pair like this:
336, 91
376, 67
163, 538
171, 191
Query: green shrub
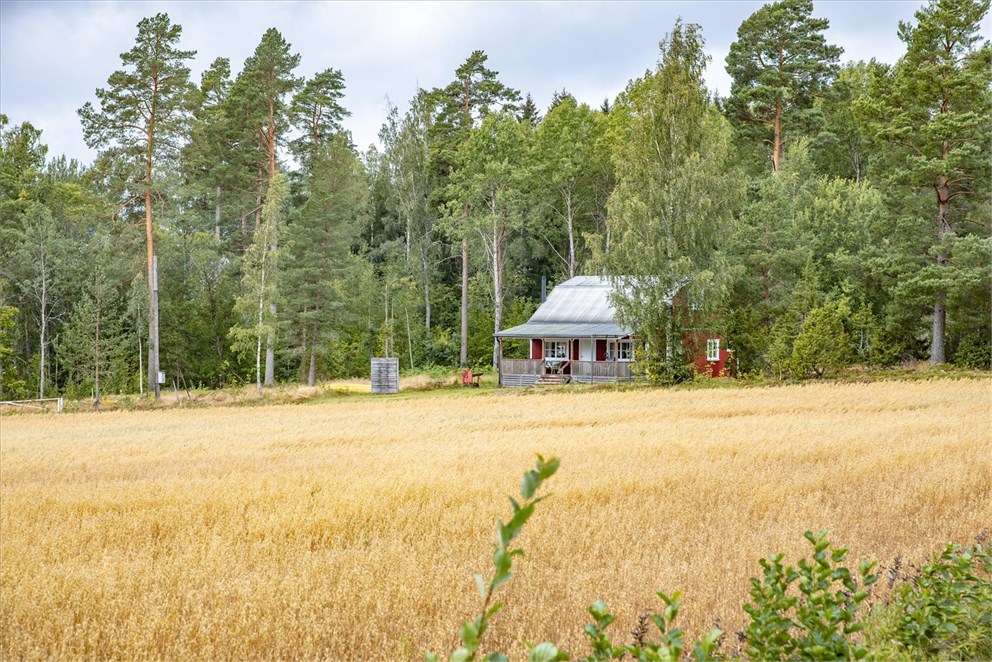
945, 611
816, 623
806, 612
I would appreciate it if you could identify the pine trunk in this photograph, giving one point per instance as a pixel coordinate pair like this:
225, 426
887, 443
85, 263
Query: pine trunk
937, 345
463, 358
312, 374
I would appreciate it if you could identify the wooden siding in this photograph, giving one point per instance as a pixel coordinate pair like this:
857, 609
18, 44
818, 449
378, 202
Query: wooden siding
385, 375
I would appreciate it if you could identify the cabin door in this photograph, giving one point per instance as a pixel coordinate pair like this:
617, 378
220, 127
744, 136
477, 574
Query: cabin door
585, 349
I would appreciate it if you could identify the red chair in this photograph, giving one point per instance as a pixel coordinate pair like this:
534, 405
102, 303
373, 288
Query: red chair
470, 379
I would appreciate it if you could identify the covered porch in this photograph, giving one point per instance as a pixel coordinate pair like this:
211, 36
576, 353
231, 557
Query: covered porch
583, 356
527, 372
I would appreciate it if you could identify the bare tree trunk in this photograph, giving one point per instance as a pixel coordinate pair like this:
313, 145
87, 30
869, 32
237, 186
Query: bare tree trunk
312, 374
463, 357
569, 223
409, 340
499, 230
937, 346
425, 263
153, 347
258, 344
217, 214
777, 140
43, 331
270, 350
96, 357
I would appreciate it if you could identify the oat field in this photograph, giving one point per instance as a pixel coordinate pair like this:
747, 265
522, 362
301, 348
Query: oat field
350, 530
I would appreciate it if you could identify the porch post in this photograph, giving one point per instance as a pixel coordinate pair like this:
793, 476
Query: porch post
500, 376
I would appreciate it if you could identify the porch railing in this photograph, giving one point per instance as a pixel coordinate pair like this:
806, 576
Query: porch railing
524, 372
601, 371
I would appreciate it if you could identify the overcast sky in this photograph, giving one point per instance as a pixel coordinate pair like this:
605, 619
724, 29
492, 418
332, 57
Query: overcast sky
53, 55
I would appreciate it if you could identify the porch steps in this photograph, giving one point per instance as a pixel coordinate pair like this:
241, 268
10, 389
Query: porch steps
552, 380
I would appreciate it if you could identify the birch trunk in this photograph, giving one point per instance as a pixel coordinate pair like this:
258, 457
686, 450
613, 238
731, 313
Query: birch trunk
270, 349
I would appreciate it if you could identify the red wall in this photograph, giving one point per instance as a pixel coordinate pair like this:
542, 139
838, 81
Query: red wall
536, 348
575, 350
696, 343
600, 349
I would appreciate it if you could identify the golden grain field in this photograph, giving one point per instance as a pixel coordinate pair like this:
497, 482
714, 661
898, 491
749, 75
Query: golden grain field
349, 530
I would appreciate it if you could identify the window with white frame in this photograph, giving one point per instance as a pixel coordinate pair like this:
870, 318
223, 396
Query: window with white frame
556, 349
713, 349
621, 350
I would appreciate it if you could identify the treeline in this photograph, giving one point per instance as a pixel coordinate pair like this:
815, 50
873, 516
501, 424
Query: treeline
230, 232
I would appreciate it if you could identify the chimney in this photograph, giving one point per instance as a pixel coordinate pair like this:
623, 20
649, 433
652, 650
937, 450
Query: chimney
544, 287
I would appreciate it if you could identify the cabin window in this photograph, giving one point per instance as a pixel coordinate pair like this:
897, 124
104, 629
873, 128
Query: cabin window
556, 349
621, 350
713, 349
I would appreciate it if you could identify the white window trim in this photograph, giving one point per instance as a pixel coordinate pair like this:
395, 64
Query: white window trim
613, 350
555, 341
712, 349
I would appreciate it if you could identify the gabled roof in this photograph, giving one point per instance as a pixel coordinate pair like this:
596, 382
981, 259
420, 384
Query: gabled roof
578, 308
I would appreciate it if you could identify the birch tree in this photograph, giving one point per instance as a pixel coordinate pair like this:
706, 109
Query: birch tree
489, 178
256, 304
675, 195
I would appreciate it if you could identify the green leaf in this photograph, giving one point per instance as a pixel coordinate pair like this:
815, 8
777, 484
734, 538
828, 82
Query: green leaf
481, 583
548, 469
502, 562
502, 579
460, 655
470, 636
529, 484
497, 657
546, 652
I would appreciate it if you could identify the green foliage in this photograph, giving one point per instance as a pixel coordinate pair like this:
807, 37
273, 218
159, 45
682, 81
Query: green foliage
670, 144
944, 612
816, 623
974, 352
778, 65
823, 344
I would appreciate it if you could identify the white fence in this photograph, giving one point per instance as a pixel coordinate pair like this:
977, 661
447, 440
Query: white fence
29, 403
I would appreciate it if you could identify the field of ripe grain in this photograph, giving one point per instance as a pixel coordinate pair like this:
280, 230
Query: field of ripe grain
350, 530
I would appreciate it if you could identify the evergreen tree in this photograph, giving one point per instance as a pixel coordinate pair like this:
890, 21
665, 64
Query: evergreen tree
260, 111
317, 114
778, 65
473, 94
318, 250
142, 117
529, 112
931, 112
91, 345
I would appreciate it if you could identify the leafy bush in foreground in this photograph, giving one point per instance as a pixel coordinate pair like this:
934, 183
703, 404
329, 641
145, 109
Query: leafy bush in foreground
807, 612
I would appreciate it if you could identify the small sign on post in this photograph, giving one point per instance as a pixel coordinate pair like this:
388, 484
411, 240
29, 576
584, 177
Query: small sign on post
386, 375
161, 376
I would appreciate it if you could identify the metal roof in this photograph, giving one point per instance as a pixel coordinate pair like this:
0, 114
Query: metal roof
578, 308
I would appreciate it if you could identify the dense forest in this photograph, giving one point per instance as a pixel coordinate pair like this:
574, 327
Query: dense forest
824, 213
